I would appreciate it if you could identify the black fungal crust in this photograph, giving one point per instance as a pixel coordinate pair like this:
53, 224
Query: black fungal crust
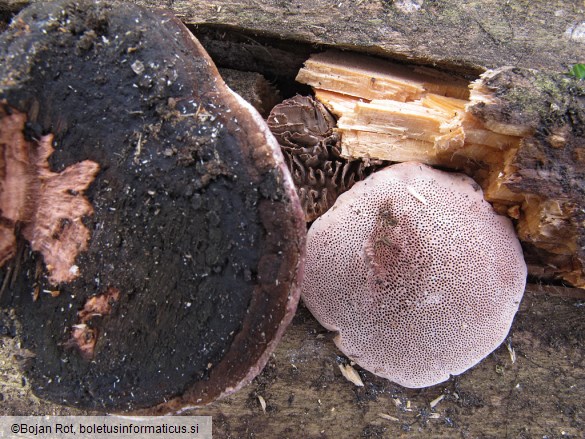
193, 222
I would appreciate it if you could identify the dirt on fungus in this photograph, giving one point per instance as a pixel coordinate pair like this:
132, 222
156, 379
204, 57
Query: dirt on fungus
191, 225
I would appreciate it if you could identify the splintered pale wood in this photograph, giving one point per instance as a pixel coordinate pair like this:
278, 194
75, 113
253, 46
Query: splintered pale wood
403, 119
517, 132
407, 108
547, 112
351, 74
372, 145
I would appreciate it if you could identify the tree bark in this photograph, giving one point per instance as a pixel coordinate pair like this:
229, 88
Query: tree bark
454, 33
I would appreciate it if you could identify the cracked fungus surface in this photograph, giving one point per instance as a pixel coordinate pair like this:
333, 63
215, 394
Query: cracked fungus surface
416, 272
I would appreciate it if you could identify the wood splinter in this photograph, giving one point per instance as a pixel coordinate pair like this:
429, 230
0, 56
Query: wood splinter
517, 132
50, 205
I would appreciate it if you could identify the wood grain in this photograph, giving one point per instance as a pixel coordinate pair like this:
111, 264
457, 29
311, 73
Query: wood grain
456, 33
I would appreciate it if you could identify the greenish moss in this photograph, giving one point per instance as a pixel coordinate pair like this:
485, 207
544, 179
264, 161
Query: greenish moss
531, 97
578, 71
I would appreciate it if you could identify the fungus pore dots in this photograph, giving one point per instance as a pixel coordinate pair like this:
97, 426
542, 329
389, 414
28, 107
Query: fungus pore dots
416, 273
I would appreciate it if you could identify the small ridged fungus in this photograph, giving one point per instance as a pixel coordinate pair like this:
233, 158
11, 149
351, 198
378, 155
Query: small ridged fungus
416, 273
304, 129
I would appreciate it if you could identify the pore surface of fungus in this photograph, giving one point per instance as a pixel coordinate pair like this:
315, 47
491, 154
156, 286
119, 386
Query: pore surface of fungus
416, 273
196, 247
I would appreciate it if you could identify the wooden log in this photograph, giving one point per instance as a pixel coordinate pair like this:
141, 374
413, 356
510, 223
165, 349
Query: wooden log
519, 134
454, 33
539, 394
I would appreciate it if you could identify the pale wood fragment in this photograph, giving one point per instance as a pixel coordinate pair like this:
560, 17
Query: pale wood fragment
371, 78
388, 417
370, 145
514, 132
350, 374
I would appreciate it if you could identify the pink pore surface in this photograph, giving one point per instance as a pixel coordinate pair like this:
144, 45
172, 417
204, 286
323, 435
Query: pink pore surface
416, 272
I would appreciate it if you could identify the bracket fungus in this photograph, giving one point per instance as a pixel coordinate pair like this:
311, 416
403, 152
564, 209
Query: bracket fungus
416, 273
191, 236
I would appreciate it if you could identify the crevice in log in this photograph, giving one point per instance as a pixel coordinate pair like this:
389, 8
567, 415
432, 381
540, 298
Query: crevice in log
277, 60
280, 60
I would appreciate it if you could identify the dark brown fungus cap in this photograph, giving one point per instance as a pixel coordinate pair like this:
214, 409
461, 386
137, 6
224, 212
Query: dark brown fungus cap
304, 129
191, 236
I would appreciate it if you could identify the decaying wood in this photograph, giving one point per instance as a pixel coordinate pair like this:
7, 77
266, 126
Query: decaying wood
518, 132
539, 394
546, 35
